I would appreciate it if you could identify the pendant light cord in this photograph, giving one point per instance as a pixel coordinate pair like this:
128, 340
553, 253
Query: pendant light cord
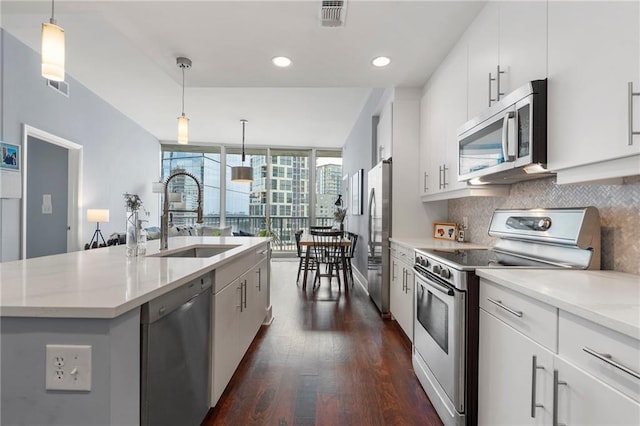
182, 90
52, 20
243, 123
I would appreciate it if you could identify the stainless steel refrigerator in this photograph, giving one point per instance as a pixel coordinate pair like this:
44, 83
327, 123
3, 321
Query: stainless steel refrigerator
379, 230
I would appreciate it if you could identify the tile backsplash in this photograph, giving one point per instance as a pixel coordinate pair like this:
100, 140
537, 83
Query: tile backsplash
619, 207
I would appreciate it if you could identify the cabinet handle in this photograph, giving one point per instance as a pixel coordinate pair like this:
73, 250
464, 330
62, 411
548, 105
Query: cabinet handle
490, 80
498, 92
407, 286
534, 373
393, 270
608, 359
245, 294
426, 188
499, 304
631, 95
444, 176
556, 383
404, 279
241, 291
259, 286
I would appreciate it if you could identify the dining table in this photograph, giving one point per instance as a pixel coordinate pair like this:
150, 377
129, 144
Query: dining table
307, 242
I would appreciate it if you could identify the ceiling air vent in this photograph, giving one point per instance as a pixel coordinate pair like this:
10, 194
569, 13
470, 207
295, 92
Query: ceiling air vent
332, 13
59, 86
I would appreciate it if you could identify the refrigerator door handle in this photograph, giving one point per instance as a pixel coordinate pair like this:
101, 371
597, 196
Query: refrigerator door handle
372, 195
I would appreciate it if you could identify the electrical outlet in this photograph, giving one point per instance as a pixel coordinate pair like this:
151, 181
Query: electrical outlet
68, 367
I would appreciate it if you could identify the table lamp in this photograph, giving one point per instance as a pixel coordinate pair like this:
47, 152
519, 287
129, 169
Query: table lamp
97, 216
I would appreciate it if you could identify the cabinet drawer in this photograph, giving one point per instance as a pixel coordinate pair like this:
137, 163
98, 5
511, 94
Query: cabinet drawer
232, 270
577, 337
534, 319
394, 247
406, 255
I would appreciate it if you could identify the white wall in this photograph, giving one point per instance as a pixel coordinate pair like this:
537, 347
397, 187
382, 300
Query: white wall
119, 156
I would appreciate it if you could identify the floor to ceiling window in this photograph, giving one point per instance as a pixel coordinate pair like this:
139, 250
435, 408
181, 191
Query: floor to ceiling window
284, 187
242, 210
328, 185
204, 166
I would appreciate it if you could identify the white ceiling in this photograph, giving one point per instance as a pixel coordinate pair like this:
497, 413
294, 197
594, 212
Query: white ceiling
125, 51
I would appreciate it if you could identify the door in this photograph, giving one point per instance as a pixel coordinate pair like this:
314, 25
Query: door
594, 52
507, 376
585, 400
47, 198
439, 334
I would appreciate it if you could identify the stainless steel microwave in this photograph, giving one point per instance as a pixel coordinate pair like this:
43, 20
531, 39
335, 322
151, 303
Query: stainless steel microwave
507, 143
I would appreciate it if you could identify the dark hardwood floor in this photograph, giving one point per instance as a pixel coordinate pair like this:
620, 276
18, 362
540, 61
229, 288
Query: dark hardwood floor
328, 358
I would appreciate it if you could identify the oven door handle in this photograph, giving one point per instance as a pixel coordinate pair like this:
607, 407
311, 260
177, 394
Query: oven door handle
444, 289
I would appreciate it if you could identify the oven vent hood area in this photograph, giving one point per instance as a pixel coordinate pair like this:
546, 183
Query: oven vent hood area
507, 143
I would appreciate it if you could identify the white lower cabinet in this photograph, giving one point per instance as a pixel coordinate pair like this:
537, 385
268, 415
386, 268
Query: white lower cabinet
401, 291
584, 400
510, 364
555, 387
239, 308
226, 341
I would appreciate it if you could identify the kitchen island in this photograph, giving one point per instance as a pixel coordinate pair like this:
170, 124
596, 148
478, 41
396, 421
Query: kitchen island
94, 298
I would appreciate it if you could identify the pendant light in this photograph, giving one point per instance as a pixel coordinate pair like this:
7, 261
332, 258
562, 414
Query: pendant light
242, 173
183, 120
52, 49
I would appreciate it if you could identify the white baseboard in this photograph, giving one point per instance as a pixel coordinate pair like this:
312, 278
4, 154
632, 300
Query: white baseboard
360, 280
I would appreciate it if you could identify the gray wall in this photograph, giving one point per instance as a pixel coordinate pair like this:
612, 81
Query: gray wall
118, 155
356, 155
115, 380
47, 173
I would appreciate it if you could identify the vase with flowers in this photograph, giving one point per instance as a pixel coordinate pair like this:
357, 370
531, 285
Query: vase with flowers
338, 217
133, 204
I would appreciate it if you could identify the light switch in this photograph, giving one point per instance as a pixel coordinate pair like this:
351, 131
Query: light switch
68, 367
47, 208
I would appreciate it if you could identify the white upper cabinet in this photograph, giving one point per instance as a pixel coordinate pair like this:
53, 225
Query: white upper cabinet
384, 133
507, 48
443, 111
523, 43
483, 41
444, 104
594, 52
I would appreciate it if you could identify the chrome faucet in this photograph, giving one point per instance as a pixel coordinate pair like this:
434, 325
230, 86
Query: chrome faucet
164, 221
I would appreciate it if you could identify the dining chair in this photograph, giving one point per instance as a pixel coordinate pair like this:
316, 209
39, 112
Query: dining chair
320, 228
302, 253
326, 246
350, 252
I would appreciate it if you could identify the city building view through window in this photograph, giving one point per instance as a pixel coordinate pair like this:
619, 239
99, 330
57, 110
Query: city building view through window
285, 184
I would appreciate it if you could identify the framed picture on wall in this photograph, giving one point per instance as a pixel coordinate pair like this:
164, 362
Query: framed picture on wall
10, 157
356, 192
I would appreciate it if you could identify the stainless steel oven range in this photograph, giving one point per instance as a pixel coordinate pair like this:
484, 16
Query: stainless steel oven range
445, 355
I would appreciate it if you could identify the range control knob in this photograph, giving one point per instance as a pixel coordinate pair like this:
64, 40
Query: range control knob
445, 273
425, 262
436, 269
544, 224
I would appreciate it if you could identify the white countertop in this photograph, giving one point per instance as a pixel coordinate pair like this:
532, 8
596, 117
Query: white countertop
104, 283
433, 244
608, 298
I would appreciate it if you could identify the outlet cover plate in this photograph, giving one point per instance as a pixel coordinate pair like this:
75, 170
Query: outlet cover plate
68, 367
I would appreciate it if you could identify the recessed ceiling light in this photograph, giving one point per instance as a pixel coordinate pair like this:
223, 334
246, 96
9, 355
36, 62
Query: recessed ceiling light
281, 61
381, 61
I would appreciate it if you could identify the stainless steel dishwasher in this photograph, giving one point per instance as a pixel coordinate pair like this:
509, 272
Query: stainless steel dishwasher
175, 348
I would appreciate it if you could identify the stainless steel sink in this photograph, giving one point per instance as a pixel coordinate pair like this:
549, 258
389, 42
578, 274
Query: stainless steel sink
196, 251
